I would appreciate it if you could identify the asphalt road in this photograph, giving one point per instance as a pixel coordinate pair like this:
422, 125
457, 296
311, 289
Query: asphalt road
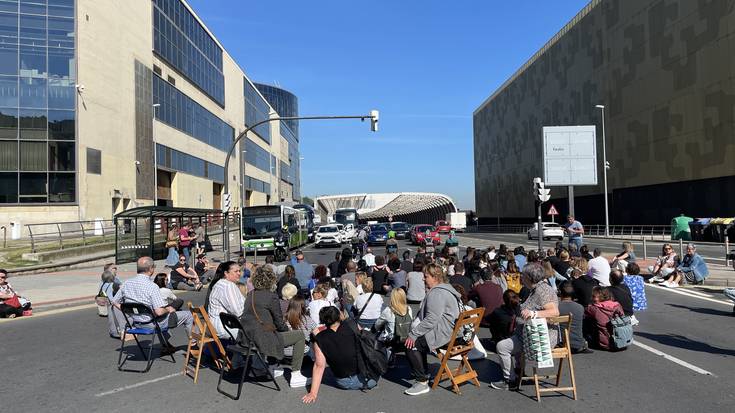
65, 362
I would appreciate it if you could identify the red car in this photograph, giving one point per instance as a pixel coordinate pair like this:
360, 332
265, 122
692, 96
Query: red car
418, 232
443, 227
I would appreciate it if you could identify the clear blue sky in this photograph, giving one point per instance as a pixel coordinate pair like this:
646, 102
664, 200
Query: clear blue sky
426, 65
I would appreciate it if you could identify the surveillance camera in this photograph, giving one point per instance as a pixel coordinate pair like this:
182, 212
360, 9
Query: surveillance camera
80, 88
137, 162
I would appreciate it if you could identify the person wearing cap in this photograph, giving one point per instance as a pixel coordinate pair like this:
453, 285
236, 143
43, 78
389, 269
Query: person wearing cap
304, 270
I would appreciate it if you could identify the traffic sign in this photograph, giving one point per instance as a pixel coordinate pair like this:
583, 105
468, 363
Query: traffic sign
226, 202
552, 211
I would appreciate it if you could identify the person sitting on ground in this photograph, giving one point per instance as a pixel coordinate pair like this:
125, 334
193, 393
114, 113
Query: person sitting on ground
562, 266
692, 268
318, 301
333, 266
627, 256
140, 289
620, 292
349, 282
665, 264
574, 251
584, 252
168, 295
637, 287
201, 267
369, 257
394, 323
415, 287
497, 274
304, 270
270, 262
368, 305
568, 307
520, 256
597, 318
11, 303
263, 322
513, 276
542, 302
488, 295
531, 257
332, 294
407, 263
583, 284
288, 292
460, 278
552, 277
288, 277
437, 315
397, 278
335, 343
599, 268
502, 320
224, 296
319, 272
379, 275
297, 318
183, 276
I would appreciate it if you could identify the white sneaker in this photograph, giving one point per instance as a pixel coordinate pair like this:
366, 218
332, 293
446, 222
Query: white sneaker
672, 285
275, 372
657, 279
298, 380
664, 283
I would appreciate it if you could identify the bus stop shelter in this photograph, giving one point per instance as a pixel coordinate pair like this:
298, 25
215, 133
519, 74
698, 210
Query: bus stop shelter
142, 231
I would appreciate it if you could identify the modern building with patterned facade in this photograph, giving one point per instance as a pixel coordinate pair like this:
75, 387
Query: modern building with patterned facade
411, 207
109, 105
664, 70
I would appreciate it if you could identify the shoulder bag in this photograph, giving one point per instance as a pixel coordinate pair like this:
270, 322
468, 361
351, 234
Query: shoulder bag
269, 327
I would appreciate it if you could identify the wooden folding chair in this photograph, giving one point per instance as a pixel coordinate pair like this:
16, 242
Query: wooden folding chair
560, 353
203, 336
464, 372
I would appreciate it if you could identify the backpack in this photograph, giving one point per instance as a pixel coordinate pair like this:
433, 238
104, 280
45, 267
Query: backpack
622, 332
402, 327
372, 362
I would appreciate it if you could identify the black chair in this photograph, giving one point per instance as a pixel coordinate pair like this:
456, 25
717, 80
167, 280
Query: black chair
140, 310
244, 346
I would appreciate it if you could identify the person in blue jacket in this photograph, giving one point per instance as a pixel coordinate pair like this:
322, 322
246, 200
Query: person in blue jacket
692, 268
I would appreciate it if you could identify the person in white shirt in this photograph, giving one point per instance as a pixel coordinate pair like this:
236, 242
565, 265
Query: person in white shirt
369, 257
224, 296
368, 305
319, 300
599, 268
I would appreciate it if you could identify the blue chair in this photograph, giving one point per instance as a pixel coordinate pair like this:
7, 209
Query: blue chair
141, 310
244, 346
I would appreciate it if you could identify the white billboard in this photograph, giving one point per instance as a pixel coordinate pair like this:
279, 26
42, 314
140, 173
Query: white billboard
570, 155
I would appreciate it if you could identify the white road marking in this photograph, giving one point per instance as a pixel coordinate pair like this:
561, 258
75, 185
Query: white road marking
673, 359
47, 313
132, 386
699, 293
688, 294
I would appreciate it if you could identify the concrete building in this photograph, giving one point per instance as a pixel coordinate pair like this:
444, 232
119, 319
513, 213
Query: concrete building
109, 105
664, 70
411, 207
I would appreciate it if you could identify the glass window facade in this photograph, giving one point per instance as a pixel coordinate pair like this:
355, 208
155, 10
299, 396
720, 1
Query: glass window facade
256, 110
257, 156
253, 184
180, 40
283, 102
181, 112
182, 162
37, 102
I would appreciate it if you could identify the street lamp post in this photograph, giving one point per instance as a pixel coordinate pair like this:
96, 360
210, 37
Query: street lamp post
605, 165
155, 158
301, 190
373, 116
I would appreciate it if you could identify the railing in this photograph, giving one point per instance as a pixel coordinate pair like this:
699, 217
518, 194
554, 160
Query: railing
652, 232
60, 235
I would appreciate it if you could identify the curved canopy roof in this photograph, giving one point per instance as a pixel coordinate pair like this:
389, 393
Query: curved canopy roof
412, 207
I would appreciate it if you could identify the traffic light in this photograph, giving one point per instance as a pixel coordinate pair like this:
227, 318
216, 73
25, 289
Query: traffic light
374, 120
542, 193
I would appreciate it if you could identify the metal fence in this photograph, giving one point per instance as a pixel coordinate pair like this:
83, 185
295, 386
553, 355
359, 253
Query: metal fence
652, 232
61, 235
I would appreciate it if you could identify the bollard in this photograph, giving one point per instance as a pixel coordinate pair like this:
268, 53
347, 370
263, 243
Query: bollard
681, 247
727, 251
645, 249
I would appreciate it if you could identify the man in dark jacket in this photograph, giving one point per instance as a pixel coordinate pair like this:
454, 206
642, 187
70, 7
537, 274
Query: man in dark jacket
334, 265
583, 286
488, 295
621, 292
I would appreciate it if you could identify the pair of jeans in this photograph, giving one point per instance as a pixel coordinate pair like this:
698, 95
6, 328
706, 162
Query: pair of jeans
355, 382
173, 257
576, 241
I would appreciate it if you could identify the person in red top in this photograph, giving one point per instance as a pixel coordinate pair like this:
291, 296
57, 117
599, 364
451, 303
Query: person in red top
597, 318
487, 294
185, 242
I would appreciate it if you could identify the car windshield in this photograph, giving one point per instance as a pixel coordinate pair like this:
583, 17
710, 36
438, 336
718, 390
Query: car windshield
442, 223
328, 229
551, 225
423, 228
399, 226
378, 227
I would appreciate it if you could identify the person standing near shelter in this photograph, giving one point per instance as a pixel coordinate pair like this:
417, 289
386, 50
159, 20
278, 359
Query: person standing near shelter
575, 230
200, 238
185, 242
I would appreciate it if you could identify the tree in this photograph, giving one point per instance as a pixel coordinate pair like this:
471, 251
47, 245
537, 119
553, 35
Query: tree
308, 201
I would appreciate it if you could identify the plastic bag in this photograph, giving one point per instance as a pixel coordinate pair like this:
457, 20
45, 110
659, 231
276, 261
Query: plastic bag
537, 343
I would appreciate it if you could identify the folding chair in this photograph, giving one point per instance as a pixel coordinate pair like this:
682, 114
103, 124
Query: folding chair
205, 337
244, 346
472, 319
136, 309
560, 353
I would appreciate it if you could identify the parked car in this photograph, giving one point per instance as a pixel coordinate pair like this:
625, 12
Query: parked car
378, 234
418, 232
443, 227
401, 229
550, 230
328, 235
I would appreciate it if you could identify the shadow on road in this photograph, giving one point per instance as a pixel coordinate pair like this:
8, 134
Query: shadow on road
702, 310
676, 340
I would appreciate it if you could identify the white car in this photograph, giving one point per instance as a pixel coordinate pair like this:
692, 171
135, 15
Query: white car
550, 230
328, 235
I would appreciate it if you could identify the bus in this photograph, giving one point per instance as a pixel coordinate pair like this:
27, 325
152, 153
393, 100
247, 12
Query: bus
260, 224
309, 213
346, 216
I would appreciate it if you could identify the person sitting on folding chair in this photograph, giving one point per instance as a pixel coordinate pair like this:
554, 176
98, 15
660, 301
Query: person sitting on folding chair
141, 289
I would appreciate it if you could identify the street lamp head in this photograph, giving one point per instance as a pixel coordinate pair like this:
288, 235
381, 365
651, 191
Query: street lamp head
155, 105
600, 106
374, 115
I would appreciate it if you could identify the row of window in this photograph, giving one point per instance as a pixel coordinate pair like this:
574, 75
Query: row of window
34, 156
283, 102
37, 187
183, 113
32, 61
32, 92
62, 8
33, 30
37, 124
182, 41
256, 110
183, 162
257, 156
257, 185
